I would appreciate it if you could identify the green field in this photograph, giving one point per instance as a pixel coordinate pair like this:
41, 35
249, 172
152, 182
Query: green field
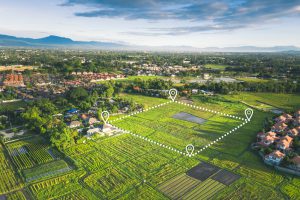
145, 100
127, 167
268, 100
215, 66
253, 80
158, 125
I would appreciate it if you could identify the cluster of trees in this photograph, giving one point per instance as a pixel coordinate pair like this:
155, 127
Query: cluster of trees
271, 86
40, 118
157, 84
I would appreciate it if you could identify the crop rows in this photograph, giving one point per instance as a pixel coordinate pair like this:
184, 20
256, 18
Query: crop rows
9, 180
26, 154
56, 187
178, 186
16, 196
110, 183
78, 195
205, 190
48, 169
159, 126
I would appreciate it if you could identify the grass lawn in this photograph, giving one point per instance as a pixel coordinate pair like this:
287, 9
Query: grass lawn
159, 125
253, 80
268, 100
145, 100
215, 66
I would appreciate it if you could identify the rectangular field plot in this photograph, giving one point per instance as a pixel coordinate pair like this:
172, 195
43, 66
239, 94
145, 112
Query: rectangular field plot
225, 177
29, 152
160, 125
178, 186
205, 190
203, 171
9, 179
45, 170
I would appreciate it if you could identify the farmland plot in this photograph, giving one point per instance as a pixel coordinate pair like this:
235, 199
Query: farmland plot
29, 152
205, 190
159, 125
9, 180
178, 186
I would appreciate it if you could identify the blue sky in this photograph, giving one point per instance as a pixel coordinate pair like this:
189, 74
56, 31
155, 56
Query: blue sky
199, 23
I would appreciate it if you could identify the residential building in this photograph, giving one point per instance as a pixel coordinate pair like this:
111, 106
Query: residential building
92, 120
75, 124
268, 139
279, 127
195, 91
293, 132
14, 80
284, 142
275, 157
92, 131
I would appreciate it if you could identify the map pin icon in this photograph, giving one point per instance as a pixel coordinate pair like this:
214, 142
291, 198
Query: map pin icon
189, 149
248, 113
173, 93
105, 116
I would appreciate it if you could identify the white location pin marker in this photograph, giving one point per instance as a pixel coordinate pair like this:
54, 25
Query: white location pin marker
105, 116
173, 93
248, 113
189, 149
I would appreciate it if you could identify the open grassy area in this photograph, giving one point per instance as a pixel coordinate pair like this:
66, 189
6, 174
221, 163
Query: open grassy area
252, 80
215, 66
159, 125
145, 100
288, 102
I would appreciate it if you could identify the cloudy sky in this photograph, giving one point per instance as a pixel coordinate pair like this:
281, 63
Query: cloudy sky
198, 23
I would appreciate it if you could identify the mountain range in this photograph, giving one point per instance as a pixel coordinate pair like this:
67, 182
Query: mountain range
53, 41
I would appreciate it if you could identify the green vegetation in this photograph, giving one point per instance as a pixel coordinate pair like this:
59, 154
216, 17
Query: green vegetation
288, 102
205, 190
126, 167
145, 100
178, 186
49, 169
9, 179
253, 80
158, 124
29, 152
16, 196
216, 66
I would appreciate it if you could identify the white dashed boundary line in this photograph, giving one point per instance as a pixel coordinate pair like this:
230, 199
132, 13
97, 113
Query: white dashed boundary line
245, 121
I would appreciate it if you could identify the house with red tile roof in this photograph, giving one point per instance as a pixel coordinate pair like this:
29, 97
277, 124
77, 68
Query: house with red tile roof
285, 142
275, 157
294, 132
279, 127
267, 139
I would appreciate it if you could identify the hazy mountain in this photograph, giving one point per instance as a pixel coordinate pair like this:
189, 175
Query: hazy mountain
53, 41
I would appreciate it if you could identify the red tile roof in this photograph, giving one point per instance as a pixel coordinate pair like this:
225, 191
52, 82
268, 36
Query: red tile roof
276, 154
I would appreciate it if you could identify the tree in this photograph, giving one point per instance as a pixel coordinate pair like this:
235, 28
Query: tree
63, 137
77, 94
109, 91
